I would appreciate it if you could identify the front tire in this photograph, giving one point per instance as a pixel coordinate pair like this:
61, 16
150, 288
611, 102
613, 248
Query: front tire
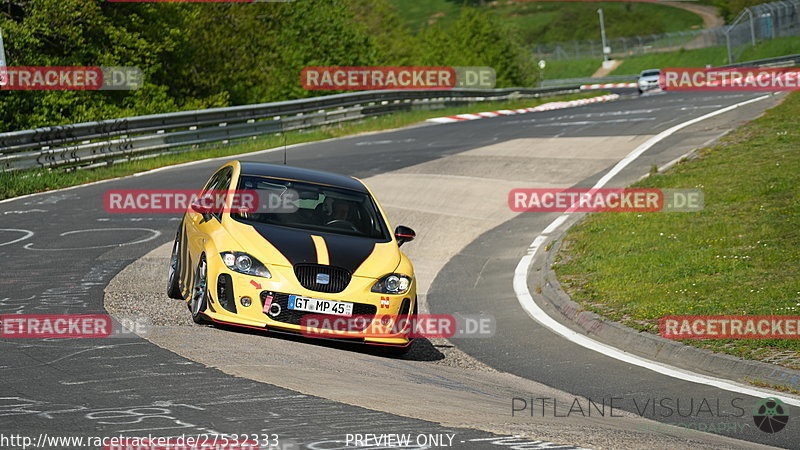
173, 278
199, 295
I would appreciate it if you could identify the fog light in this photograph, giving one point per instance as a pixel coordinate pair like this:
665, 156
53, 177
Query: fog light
246, 301
274, 310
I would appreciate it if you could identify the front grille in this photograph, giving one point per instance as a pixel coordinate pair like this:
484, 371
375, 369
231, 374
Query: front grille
294, 317
307, 275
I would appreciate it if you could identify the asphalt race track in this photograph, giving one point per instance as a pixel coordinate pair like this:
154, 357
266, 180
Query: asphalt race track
62, 249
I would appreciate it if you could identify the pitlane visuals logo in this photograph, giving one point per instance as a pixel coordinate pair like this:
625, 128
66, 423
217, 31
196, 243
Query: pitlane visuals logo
770, 415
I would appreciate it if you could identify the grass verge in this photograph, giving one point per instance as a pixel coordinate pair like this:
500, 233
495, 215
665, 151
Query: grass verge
777, 387
738, 256
13, 184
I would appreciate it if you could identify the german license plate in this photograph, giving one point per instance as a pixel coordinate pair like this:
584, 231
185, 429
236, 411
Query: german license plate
321, 306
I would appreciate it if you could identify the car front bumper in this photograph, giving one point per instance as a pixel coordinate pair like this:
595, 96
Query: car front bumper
229, 292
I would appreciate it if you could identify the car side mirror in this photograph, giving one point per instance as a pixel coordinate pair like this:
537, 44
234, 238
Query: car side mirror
203, 206
199, 206
404, 234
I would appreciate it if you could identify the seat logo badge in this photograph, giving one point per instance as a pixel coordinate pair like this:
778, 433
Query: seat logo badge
323, 278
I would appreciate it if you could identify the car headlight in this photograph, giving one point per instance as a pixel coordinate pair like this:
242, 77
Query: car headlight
394, 283
243, 263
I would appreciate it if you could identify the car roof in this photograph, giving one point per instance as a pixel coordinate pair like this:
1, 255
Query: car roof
300, 174
651, 70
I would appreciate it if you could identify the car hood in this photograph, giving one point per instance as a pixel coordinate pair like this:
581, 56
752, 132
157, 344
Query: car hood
283, 246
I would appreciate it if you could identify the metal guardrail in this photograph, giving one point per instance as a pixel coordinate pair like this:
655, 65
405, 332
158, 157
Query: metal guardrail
110, 141
589, 80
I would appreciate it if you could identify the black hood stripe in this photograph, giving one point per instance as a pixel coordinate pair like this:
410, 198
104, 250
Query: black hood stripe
347, 252
297, 247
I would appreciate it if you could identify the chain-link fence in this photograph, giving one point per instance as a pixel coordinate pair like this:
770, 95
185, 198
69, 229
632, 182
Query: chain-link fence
754, 24
760, 23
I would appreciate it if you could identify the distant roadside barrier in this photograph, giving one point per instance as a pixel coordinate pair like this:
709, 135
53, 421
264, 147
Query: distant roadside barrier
107, 142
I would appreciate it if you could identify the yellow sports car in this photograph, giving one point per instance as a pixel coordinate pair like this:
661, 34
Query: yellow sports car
311, 244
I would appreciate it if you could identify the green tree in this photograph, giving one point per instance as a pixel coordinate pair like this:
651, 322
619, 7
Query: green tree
83, 33
392, 38
479, 38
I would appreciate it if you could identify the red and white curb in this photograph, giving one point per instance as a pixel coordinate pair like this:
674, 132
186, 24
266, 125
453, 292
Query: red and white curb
608, 85
510, 112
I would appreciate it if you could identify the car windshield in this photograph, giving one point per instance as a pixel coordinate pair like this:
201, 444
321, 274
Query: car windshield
651, 73
312, 207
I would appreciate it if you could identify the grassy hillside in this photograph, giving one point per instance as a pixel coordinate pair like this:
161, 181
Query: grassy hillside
558, 21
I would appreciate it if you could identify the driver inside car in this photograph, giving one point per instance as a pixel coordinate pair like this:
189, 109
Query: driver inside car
340, 211
339, 214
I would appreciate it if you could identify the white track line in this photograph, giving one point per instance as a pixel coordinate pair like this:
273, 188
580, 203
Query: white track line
153, 235
27, 233
539, 315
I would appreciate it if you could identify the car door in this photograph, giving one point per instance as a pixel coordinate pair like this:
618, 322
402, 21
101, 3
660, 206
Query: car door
201, 225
